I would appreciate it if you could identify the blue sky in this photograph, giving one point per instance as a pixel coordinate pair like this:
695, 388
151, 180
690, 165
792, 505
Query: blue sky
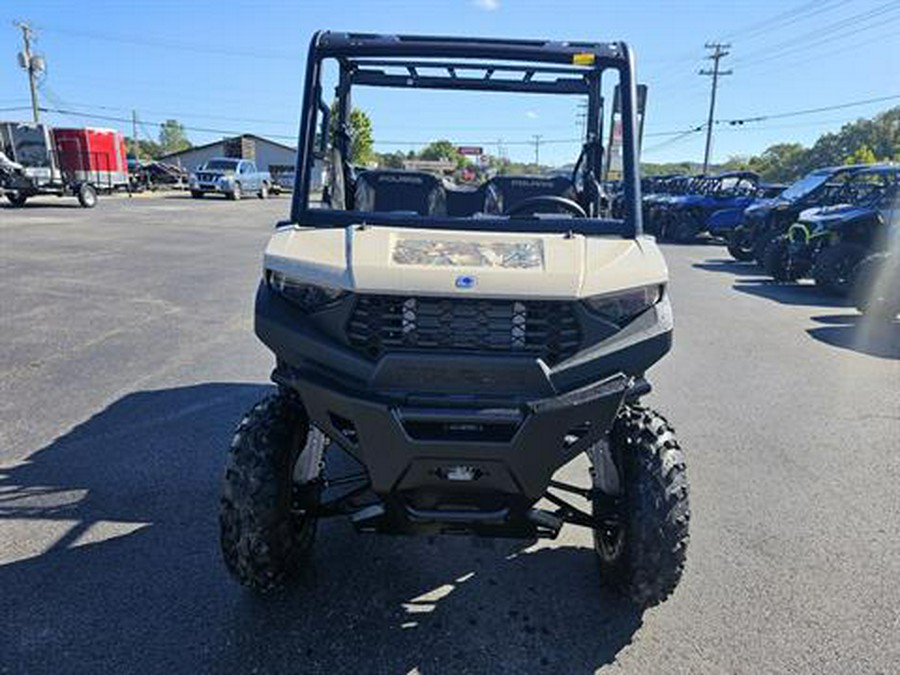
238, 66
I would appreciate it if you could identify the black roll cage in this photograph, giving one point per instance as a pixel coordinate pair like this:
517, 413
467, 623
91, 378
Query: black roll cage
522, 66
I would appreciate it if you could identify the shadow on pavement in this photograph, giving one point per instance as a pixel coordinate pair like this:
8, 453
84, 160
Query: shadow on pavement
866, 335
731, 266
129, 578
802, 294
45, 202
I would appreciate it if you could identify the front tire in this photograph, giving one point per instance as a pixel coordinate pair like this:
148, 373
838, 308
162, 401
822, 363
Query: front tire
264, 191
686, 226
17, 199
236, 193
645, 559
263, 534
835, 267
738, 245
780, 263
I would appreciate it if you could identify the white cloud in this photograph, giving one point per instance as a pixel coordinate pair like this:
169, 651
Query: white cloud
487, 5
531, 114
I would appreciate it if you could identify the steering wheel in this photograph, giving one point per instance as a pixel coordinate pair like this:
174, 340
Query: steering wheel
533, 205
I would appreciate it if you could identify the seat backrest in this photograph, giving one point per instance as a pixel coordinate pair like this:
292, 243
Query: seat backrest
411, 191
464, 201
513, 189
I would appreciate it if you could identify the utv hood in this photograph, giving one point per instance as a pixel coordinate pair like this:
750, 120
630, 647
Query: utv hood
478, 264
827, 215
687, 201
762, 206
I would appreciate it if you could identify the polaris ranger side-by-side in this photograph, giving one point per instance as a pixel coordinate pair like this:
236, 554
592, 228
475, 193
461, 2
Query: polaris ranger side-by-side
442, 350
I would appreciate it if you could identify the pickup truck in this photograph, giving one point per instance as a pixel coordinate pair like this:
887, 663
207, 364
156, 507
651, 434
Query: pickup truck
234, 178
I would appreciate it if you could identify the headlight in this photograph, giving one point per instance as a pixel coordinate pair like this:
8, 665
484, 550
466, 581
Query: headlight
308, 297
227, 180
622, 306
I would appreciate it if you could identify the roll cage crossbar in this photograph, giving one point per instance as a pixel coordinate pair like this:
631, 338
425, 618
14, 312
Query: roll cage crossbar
473, 64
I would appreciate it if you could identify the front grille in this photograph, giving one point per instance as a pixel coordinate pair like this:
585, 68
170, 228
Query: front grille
385, 323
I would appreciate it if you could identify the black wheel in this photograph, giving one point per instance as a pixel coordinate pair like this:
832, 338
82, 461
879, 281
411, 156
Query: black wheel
835, 267
739, 245
780, 263
644, 556
236, 193
685, 227
264, 191
665, 225
197, 194
760, 245
876, 287
87, 195
264, 529
17, 199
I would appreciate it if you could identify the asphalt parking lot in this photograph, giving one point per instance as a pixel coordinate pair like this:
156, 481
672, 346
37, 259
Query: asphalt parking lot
128, 356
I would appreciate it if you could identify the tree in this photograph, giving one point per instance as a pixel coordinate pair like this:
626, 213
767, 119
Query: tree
861, 141
781, 163
149, 149
443, 150
361, 150
172, 137
863, 155
393, 160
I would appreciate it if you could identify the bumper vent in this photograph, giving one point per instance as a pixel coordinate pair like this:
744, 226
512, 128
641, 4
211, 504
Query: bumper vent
385, 323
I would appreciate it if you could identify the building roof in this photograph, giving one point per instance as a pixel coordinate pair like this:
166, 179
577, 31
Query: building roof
225, 140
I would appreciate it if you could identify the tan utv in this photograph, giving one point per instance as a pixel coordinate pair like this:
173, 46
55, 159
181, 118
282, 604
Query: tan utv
444, 348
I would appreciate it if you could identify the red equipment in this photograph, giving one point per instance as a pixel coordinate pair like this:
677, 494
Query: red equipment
95, 156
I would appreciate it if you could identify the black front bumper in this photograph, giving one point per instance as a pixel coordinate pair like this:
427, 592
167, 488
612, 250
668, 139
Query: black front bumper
458, 442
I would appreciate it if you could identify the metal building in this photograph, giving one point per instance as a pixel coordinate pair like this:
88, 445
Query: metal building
270, 156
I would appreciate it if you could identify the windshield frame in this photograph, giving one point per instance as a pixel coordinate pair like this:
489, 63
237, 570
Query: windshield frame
589, 60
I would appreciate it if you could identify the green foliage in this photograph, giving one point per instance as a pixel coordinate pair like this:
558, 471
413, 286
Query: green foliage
657, 169
443, 150
863, 155
361, 143
361, 137
393, 160
148, 149
172, 137
783, 162
861, 142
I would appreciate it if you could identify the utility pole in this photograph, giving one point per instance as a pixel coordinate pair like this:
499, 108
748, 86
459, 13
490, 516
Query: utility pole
33, 64
135, 145
581, 119
718, 52
537, 149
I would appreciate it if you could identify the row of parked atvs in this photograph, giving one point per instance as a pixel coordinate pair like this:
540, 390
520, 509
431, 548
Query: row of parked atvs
838, 225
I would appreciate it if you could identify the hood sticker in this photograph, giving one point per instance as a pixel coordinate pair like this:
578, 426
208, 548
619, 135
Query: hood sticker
440, 253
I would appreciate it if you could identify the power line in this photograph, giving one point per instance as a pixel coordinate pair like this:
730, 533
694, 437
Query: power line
174, 44
113, 118
786, 18
821, 35
807, 111
672, 141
